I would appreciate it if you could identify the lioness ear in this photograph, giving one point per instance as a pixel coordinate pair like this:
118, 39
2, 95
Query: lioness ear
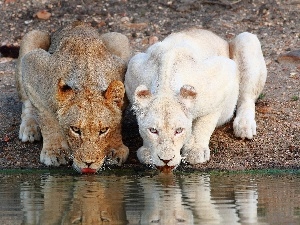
64, 91
142, 96
115, 93
117, 44
187, 95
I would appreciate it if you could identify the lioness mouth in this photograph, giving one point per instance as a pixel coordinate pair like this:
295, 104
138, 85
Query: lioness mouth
88, 170
165, 168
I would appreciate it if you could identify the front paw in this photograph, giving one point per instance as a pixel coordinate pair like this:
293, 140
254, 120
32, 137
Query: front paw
54, 156
244, 126
196, 155
118, 156
29, 130
144, 155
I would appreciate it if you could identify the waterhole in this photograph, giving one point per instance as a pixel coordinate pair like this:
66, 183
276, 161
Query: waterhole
196, 198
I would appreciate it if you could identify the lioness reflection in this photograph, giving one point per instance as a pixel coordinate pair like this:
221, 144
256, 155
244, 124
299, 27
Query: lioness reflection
190, 200
164, 202
89, 200
163, 199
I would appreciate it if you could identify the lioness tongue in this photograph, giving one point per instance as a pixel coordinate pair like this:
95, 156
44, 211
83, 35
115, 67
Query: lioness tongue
88, 170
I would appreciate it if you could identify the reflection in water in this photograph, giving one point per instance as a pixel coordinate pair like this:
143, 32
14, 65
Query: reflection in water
163, 202
75, 200
162, 199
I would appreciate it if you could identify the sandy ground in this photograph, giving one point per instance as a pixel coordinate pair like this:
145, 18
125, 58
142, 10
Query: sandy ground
276, 23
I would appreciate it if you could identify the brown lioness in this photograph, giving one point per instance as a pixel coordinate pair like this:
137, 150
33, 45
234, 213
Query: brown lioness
72, 91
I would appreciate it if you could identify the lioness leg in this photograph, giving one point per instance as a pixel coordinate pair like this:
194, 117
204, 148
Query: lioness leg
55, 149
118, 155
29, 128
197, 149
245, 50
144, 155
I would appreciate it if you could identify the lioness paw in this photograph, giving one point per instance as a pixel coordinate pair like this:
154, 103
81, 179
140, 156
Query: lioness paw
144, 155
118, 156
197, 155
244, 127
29, 130
53, 157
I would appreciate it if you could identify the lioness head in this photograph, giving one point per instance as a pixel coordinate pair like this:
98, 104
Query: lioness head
90, 123
165, 125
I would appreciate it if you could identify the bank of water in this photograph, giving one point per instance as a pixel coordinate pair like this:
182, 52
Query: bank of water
56, 197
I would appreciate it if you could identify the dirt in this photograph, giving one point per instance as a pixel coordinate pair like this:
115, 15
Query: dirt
276, 23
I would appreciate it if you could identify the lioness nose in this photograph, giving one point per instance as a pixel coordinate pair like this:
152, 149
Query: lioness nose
166, 161
89, 163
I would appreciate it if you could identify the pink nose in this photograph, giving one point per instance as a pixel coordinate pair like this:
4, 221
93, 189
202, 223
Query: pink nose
166, 161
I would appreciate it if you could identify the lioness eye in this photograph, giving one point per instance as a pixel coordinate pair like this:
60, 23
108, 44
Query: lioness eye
76, 130
153, 130
178, 130
103, 130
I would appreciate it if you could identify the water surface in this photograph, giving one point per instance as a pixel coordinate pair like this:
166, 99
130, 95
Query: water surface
195, 198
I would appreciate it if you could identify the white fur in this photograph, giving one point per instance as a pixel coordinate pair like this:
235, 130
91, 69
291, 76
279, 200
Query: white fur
193, 81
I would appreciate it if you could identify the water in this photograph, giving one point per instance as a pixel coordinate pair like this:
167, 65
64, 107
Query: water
216, 198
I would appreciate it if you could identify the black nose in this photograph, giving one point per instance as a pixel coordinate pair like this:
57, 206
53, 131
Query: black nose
89, 164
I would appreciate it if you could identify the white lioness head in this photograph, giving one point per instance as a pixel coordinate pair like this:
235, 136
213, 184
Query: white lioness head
165, 125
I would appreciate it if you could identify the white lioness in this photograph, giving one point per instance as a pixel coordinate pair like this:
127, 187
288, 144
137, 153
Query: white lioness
185, 86
71, 88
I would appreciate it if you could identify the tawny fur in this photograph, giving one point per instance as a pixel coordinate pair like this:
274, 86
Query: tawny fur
185, 86
71, 88
85, 201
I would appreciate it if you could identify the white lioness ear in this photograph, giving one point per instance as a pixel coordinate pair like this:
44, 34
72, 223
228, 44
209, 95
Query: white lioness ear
142, 96
115, 93
187, 95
